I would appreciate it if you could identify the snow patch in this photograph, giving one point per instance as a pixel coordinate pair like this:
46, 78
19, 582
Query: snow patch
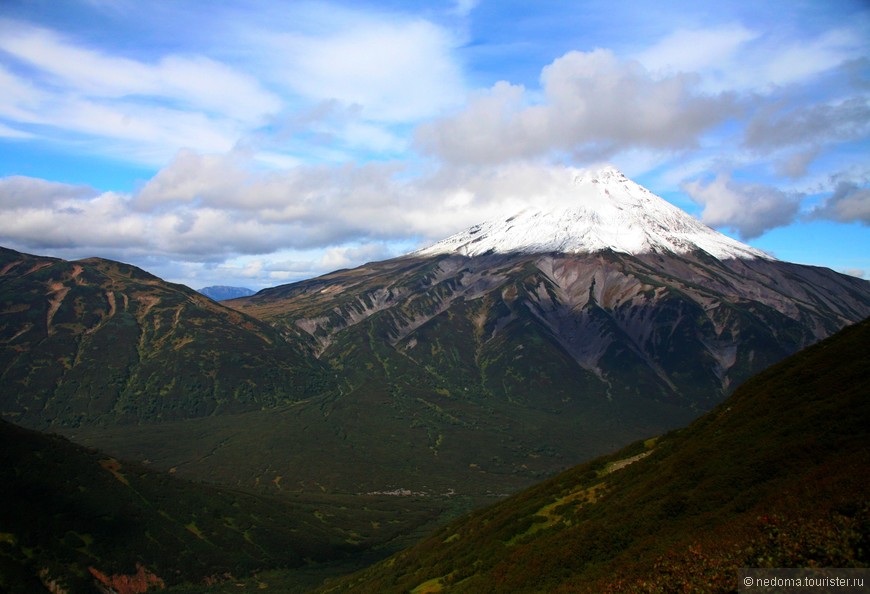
606, 211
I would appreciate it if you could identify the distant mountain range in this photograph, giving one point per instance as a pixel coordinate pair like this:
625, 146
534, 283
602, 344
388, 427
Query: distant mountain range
224, 293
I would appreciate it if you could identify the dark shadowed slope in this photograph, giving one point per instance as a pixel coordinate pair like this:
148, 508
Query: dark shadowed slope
69, 515
776, 476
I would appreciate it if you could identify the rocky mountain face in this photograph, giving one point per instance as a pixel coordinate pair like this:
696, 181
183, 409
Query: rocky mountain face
95, 341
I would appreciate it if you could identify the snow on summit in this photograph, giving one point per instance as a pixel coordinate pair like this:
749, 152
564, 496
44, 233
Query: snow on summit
602, 210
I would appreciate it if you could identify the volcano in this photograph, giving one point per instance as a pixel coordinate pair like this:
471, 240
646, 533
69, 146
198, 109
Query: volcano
474, 366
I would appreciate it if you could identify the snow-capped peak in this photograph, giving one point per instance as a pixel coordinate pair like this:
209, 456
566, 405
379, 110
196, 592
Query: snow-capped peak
603, 210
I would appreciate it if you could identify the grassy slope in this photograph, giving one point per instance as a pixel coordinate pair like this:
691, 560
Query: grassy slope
65, 509
96, 341
775, 476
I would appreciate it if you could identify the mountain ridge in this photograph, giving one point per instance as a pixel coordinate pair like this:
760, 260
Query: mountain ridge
225, 292
94, 340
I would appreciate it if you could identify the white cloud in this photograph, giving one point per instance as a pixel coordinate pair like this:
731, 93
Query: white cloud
209, 208
270, 227
797, 61
464, 7
69, 217
394, 70
194, 82
18, 96
192, 177
376, 73
7, 132
696, 50
19, 191
594, 105
141, 111
337, 257
750, 209
753, 59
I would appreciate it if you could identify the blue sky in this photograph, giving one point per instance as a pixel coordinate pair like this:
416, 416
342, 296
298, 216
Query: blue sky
253, 143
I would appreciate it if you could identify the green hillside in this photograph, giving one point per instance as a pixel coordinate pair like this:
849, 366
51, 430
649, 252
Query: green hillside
75, 518
776, 476
97, 342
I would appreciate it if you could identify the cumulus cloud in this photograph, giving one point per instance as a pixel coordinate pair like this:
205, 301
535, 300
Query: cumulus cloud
328, 203
19, 191
193, 177
209, 207
849, 203
59, 216
749, 209
338, 257
593, 104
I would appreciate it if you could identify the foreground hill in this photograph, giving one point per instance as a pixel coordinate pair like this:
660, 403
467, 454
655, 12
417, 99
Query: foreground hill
96, 341
77, 521
775, 476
